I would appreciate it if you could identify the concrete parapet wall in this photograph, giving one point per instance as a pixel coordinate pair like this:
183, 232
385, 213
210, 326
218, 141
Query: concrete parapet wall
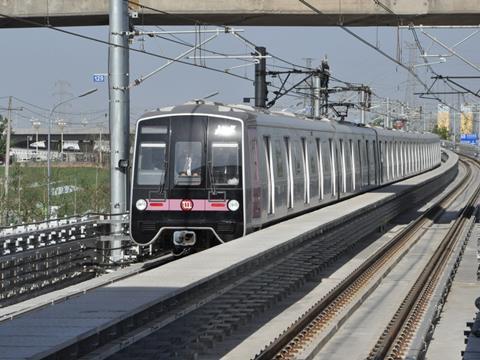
247, 12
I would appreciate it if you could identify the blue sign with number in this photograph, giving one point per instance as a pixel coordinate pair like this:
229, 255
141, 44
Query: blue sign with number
468, 139
99, 78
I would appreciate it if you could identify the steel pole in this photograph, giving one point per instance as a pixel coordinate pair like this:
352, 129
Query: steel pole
7, 147
362, 111
119, 115
260, 78
316, 95
386, 124
47, 213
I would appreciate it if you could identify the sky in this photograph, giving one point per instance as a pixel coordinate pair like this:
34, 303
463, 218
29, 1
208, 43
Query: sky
33, 60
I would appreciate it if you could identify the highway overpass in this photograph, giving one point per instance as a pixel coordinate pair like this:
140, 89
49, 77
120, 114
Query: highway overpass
246, 12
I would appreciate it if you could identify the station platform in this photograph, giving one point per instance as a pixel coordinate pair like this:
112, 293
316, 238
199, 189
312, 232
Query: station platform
39, 333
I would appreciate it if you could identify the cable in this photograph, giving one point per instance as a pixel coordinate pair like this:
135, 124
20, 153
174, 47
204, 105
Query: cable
48, 26
58, 112
198, 22
382, 53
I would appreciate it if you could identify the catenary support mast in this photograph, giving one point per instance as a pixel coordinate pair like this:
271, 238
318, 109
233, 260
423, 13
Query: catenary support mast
119, 115
260, 78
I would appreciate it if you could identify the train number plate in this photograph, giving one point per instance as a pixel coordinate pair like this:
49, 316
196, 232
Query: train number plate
186, 205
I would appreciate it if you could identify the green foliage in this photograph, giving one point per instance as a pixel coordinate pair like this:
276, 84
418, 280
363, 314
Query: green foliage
74, 190
378, 121
442, 132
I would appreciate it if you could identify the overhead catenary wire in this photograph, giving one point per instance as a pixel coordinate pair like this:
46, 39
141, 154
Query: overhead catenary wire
419, 46
35, 23
198, 22
90, 38
358, 37
247, 41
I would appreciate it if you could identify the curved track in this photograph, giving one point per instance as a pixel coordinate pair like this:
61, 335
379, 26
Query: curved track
314, 329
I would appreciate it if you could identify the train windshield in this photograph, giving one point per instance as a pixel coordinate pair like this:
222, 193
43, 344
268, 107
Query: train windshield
189, 152
188, 163
151, 169
225, 163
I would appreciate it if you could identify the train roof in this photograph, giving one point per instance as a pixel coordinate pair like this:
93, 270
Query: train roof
262, 117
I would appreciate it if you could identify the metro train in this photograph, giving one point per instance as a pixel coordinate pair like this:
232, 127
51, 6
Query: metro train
206, 173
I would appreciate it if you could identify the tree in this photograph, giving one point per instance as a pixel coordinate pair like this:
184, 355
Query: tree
441, 131
378, 121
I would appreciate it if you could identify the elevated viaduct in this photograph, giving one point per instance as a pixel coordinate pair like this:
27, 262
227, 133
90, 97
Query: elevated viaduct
246, 12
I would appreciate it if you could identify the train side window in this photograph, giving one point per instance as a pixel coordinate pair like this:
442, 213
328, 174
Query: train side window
359, 164
270, 177
376, 173
278, 160
387, 158
400, 156
409, 157
367, 158
343, 165
320, 168
313, 170
288, 151
381, 160
225, 164
333, 170
353, 165
306, 183
415, 157
327, 168
394, 160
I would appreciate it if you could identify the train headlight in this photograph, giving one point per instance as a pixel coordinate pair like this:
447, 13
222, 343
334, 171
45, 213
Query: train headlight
233, 205
141, 204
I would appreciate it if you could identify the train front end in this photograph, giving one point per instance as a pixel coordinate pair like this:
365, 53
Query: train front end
187, 181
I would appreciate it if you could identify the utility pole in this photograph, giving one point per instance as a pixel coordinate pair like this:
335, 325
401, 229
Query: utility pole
324, 79
260, 78
362, 110
316, 95
100, 146
386, 124
119, 123
61, 124
308, 100
7, 145
36, 125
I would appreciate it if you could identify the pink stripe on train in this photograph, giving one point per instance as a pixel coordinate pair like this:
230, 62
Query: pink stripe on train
174, 205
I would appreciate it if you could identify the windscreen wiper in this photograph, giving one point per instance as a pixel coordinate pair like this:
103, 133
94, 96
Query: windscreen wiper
212, 177
162, 189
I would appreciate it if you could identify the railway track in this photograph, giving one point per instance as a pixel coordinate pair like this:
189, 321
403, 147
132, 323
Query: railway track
194, 331
201, 310
312, 331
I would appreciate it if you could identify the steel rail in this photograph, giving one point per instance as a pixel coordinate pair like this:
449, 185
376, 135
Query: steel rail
394, 339
299, 333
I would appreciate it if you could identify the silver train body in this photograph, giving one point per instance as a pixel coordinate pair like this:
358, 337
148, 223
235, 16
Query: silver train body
224, 171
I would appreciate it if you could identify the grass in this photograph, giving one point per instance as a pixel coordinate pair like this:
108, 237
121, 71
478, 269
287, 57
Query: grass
27, 197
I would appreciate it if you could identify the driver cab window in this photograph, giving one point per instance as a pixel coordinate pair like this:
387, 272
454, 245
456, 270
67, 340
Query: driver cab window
225, 164
151, 169
188, 163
